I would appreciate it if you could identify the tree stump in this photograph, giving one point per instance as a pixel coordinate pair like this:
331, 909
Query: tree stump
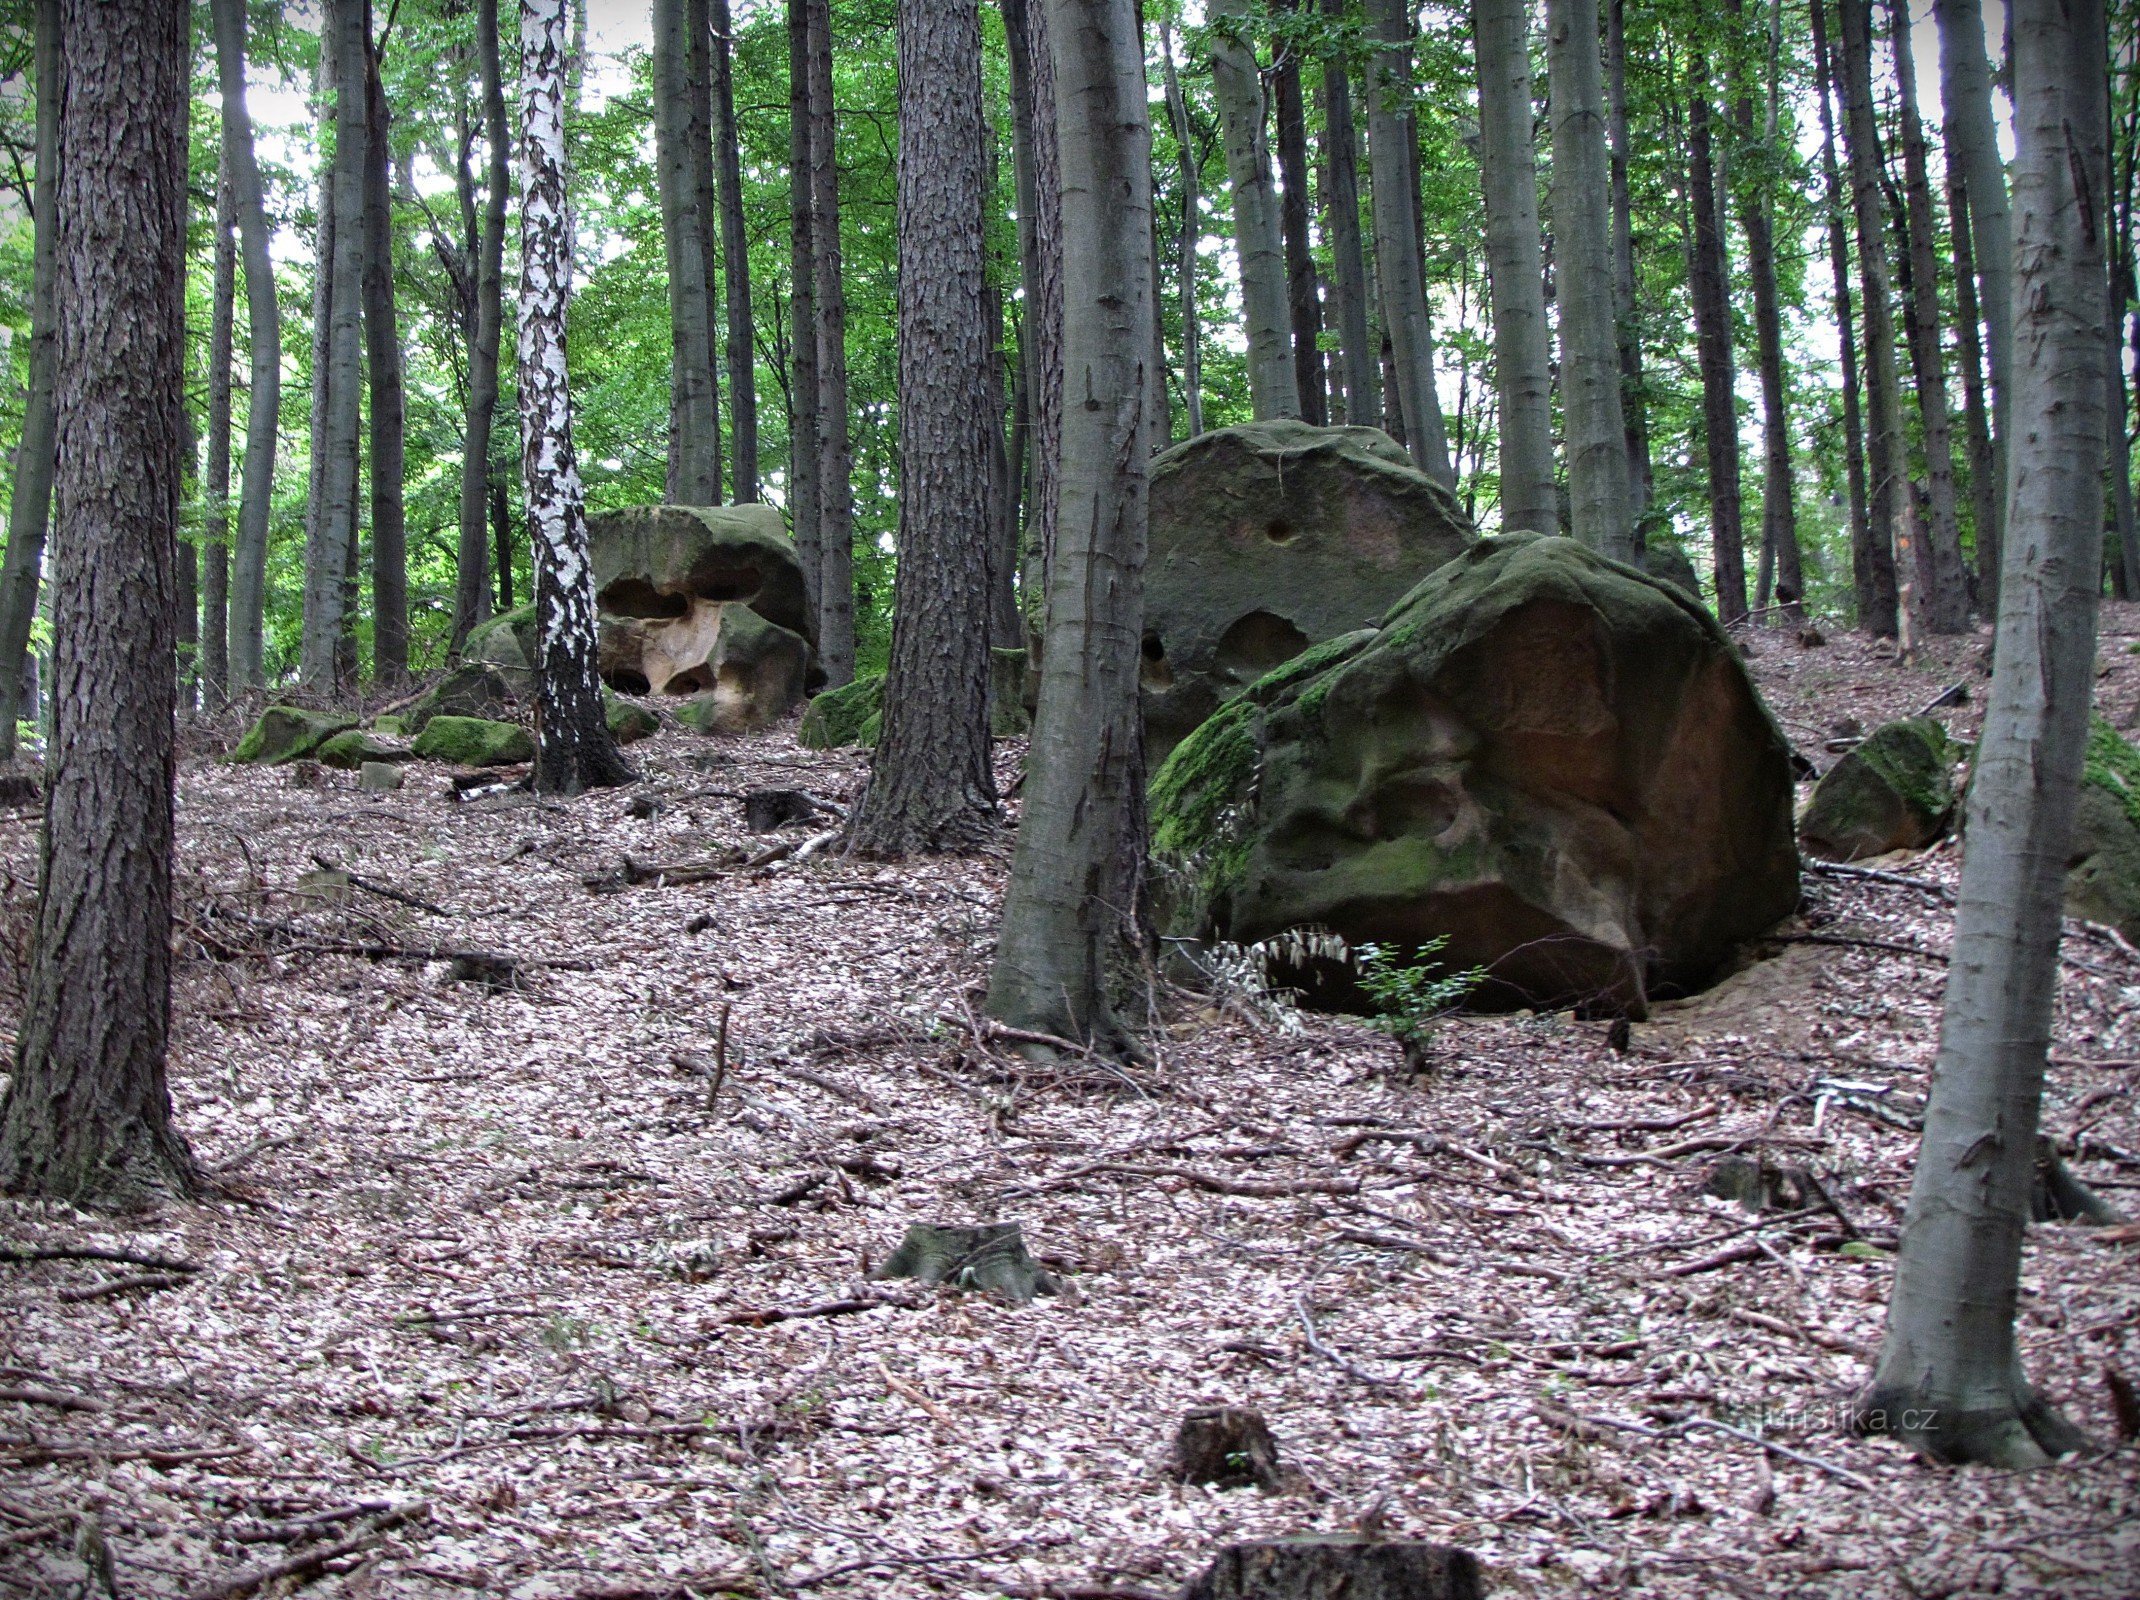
1227, 1447
1338, 1569
990, 1257
767, 809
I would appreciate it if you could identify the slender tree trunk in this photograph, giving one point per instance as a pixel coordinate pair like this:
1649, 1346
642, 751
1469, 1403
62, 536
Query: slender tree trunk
1947, 606
1523, 379
1880, 610
804, 398
501, 528
215, 544
30, 508
1071, 907
1304, 306
327, 568
1006, 629
694, 475
1626, 306
835, 454
87, 1117
471, 590
389, 407
248, 562
1976, 411
573, 749
1032, 63
1341, 223
1238, 86
1950, 1381
930, 786
735, 266
1392, 146
186, 577
1185, 273
1973, 155
1708, 286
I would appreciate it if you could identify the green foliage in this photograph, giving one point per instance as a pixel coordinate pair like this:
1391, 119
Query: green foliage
1411, 995
2114, 766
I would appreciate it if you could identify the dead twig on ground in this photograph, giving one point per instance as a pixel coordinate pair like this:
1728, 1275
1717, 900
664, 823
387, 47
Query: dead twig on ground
370, 886
306, 1563
131, 1283
94, 1252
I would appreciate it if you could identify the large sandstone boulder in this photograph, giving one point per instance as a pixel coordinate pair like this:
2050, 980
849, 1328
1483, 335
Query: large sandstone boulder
1269, 538
2103, 872
1552, 760
289, 733
1894, 791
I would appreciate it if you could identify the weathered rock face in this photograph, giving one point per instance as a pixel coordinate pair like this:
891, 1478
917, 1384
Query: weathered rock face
289, 733
1894, 791
740, 671
474, 742
1269, 538
854, 712
473, 689
2103, 872
1553, 761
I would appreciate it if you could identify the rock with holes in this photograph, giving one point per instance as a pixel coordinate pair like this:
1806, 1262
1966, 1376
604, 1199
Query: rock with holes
676, 569
1550, 760
739, 671
1267, 539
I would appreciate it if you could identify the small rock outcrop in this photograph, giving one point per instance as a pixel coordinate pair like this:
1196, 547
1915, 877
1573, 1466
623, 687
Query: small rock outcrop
1341, 1568
739, 671
2103, 869
352, 747
473, 689
506, 643
628, 721
1553, 762
1227, 1447
1266, 539
990, 1257
1894, 791
854, 712
289, 733
474, 742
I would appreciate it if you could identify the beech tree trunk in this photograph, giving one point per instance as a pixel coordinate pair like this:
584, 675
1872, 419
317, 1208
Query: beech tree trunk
1973, 159
1071, 908
1393, 149
1035, 147
1950, 1381
389, 407
735, 266
30, 507
1508, 174
682, 143
215, 489
471, 595
1885, 608
1976, 409
1947, 605
1237, 84
1626, 305
87, 1117
573, 748
1709, 288
1600, 504
1185, 240
1357, 347
804, 400
1304, 307
930, 785
835, 454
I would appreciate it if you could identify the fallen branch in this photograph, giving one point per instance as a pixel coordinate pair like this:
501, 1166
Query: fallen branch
1812, 1336
414, 901
309, 1562
1349, 1368
93, 1252
258, 1148
57, 1399
1887, 945
144, 1282
1836, 869
32, 1452
831, 1308
1247, 1188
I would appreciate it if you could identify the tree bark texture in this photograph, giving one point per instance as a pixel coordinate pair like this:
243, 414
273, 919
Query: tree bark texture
1237, 84
1950, 1381
1973, 157
471, 595
804, 400
30, 508
1709, 288
930, 785
1515, 259
1947, 604
1185, 239
1304, 306
215, 487
87, 1118
683, 150
389, 405
1357, 363
573, 748
1032, 64
1071, 905
1392, 147
735, 266
1885, 486
1627, 309
1976, 407
835, 452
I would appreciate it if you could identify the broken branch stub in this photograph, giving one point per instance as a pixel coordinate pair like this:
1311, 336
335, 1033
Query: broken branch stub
1338, 1569
989, 1257
767, 809
1227, 1447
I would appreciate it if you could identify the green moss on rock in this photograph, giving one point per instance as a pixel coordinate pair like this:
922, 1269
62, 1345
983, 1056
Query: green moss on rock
351, 748
1895, 791
474, 742
628, 721
473, 689
2103, 878
850, 714
289, 733
506, 640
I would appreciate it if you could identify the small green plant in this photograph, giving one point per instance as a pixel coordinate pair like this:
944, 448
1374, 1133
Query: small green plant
1411, 996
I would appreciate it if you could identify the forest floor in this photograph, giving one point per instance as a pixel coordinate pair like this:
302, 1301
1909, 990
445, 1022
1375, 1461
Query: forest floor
494, 1297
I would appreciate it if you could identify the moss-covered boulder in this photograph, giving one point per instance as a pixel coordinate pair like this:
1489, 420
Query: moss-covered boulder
472, 689
740, 671
2103, 873
352, 747
628, 721
391, 727
1269, 538
1894, 791
655, 561
1668, 563
506, 642
289, 733
1553, 761
850, 714
474, 742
